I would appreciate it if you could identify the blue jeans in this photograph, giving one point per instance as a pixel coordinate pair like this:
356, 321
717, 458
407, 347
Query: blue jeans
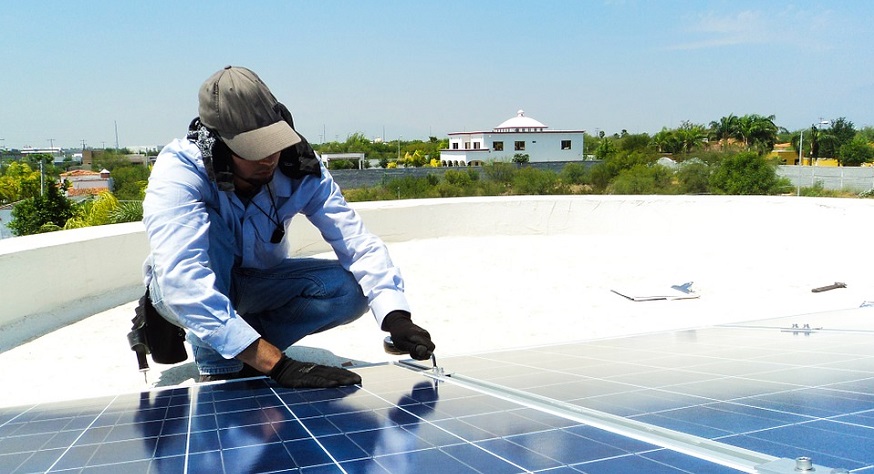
298, 297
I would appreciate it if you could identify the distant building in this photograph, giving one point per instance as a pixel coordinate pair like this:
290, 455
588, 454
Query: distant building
86, 183
89, 156
29, 150
517, 135
357, 158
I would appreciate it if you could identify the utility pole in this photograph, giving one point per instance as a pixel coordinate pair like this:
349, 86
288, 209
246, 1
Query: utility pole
42, 180
116, 135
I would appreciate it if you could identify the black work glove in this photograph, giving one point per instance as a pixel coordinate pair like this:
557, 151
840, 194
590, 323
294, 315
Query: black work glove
408, 337
293, 374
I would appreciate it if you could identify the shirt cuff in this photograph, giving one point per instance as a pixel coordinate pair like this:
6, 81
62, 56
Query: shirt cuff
232, 337
386, 302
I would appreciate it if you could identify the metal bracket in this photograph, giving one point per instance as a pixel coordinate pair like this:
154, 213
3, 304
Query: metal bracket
799, 465
805, 329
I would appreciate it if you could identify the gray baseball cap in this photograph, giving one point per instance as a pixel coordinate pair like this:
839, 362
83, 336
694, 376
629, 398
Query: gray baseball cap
237, 105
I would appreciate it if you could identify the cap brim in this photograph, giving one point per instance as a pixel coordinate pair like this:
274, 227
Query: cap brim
262, 142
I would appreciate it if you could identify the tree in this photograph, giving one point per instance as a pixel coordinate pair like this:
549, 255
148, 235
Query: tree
19, 182
866, 133
415, 159
521, 158
690, 136
797, 139
840, 132
855, 152
93, 212
634, 142
724, 130
745, 173
129, 182
757, 131
666, 141
109, 159
41, 213
605, 149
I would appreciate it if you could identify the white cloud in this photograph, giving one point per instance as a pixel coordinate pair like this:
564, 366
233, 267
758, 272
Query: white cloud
789, 27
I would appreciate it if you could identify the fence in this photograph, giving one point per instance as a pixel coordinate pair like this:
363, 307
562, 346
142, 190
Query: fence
855, 179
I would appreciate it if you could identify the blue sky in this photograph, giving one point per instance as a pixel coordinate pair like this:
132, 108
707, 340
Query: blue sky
72, 70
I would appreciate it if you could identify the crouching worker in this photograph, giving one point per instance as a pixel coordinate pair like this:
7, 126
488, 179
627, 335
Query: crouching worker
216, 212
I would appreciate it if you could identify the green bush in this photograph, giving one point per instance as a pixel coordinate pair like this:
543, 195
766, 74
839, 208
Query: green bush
575, 173
533, 181
500, 172
603, 173
39, 214
694, 178
457, 177
747, 174
643, 179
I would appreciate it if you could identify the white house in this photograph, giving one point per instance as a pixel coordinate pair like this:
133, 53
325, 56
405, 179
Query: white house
518, 135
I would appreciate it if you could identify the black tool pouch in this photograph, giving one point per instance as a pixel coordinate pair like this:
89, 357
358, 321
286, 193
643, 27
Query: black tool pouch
152, 334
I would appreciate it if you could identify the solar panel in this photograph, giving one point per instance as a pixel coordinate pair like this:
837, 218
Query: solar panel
772, 387
632, 404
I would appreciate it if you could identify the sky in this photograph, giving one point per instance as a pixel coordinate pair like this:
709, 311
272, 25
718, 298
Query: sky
102, 73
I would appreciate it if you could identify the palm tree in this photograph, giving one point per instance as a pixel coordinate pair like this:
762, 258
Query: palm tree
758, 131
724, 130
690, 135
665, 141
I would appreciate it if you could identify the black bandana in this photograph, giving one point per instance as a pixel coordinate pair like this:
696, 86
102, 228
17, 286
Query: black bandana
216, 155
295, 161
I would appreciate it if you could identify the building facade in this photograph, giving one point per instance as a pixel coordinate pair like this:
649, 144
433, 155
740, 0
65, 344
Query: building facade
86, 183
518, 135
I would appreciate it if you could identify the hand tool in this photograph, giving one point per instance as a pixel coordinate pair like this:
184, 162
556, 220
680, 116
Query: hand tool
391, 348
834, 286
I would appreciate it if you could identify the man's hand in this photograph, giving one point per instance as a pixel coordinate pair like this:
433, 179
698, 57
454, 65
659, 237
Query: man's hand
408, 337
293, 374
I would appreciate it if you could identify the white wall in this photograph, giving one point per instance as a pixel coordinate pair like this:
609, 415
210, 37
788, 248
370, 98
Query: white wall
50, 280
539, 146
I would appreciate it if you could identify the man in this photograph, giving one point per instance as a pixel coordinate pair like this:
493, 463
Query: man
216, 210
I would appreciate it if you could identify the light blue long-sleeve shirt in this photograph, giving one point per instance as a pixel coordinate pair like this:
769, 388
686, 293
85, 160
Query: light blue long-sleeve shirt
175, 213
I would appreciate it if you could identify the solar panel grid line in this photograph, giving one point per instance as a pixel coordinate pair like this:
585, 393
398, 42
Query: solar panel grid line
336, 463
232, 431
304, 421
191, 407
84, 431
726, 455
851, 356
833, 458
461, 438
768, 392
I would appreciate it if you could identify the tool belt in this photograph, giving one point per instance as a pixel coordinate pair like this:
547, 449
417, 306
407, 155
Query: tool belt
152, 334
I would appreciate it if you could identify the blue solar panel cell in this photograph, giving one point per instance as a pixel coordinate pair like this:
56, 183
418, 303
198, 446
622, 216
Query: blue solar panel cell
658, 461
770, 391
715, 383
